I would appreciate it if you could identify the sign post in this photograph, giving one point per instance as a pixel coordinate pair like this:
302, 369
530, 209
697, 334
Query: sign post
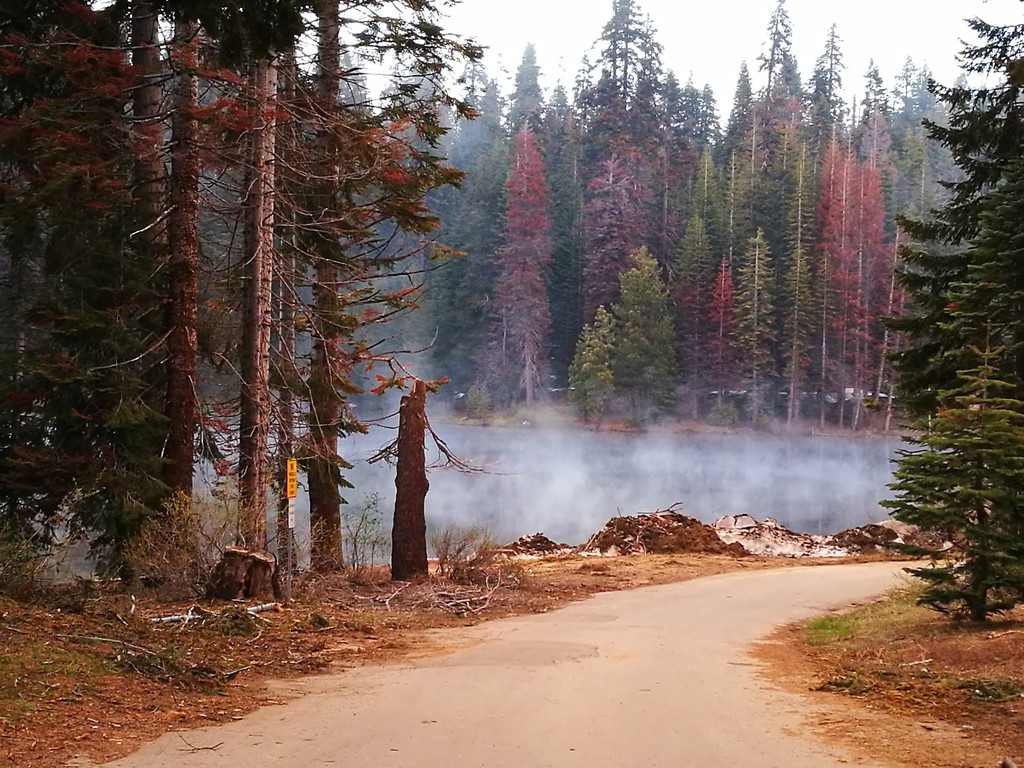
290, 487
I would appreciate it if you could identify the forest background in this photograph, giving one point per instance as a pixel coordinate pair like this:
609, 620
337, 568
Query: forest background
215, 229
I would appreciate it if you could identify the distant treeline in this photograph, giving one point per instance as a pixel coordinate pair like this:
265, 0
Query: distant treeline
743, 268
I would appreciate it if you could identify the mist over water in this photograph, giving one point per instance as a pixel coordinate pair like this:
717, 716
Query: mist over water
567, 484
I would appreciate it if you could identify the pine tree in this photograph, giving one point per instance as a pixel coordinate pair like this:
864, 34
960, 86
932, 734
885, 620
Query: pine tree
521, 304
985, 133
693, 279
643, 359
755, 303
527, 100
797, 298
614, 227
740, 119
962, 376
81, 414
560, 141
966, 480
591, 381
826, 96
722, 357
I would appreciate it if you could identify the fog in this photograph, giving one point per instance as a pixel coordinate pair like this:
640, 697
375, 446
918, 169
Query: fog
567, 484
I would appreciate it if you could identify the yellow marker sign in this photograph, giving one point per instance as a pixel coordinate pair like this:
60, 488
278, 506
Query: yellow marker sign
291, 478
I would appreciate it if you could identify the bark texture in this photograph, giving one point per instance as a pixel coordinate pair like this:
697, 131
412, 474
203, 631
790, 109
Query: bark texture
183, 235
325, 402
409, 531
243, 574
255, 394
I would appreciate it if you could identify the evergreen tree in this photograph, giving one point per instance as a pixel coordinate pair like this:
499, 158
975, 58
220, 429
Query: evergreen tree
693, 279
755, 304
826, 94
460, 291
527, 101
722, 357
81, 422
521, 326
964, 376
561, 146
985, 133
796, 296
643, 359
614, 228
740, 119
966, 480
591, 381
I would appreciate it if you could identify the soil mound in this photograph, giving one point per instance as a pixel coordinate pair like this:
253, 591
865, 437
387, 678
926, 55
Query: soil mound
658, 533
867, 538
537, 545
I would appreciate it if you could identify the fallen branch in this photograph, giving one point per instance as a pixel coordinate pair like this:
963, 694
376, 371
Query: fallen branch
235, 672
191, 748
9, 628
124, 644
264, 607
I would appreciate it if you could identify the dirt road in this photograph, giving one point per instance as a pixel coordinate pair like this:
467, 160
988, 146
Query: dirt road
652, 677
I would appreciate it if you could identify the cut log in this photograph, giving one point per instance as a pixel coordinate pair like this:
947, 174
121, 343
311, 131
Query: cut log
243, 574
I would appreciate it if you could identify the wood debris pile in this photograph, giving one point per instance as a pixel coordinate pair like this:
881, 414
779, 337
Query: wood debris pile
661, 532
536, 545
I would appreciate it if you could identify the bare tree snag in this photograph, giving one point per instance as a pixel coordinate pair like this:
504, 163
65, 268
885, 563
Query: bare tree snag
409, 530
182, 226
243, 574
254, 423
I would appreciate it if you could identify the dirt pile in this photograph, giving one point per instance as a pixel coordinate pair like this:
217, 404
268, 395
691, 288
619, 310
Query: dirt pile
537, 545
658, 533
867, 538
769, 539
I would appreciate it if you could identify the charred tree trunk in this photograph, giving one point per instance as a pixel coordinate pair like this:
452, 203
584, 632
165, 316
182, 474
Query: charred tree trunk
409, 531
325, 402
184, 248
254, 423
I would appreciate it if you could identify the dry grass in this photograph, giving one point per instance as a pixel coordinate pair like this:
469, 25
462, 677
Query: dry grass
957, 690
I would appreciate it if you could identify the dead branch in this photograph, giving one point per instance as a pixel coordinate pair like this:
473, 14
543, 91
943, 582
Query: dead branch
264, 607
114, 640
191, 748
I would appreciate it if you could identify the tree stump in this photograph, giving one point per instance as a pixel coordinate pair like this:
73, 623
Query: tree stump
243, 574
409, 531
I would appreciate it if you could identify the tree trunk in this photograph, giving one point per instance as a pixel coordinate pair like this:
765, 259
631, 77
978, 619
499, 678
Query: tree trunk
146, 112
254, 423
284, 355
243, 574
183, 236
325, 402
409, 532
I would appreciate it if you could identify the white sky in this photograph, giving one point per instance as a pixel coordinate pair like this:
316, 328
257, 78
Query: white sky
710, 38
